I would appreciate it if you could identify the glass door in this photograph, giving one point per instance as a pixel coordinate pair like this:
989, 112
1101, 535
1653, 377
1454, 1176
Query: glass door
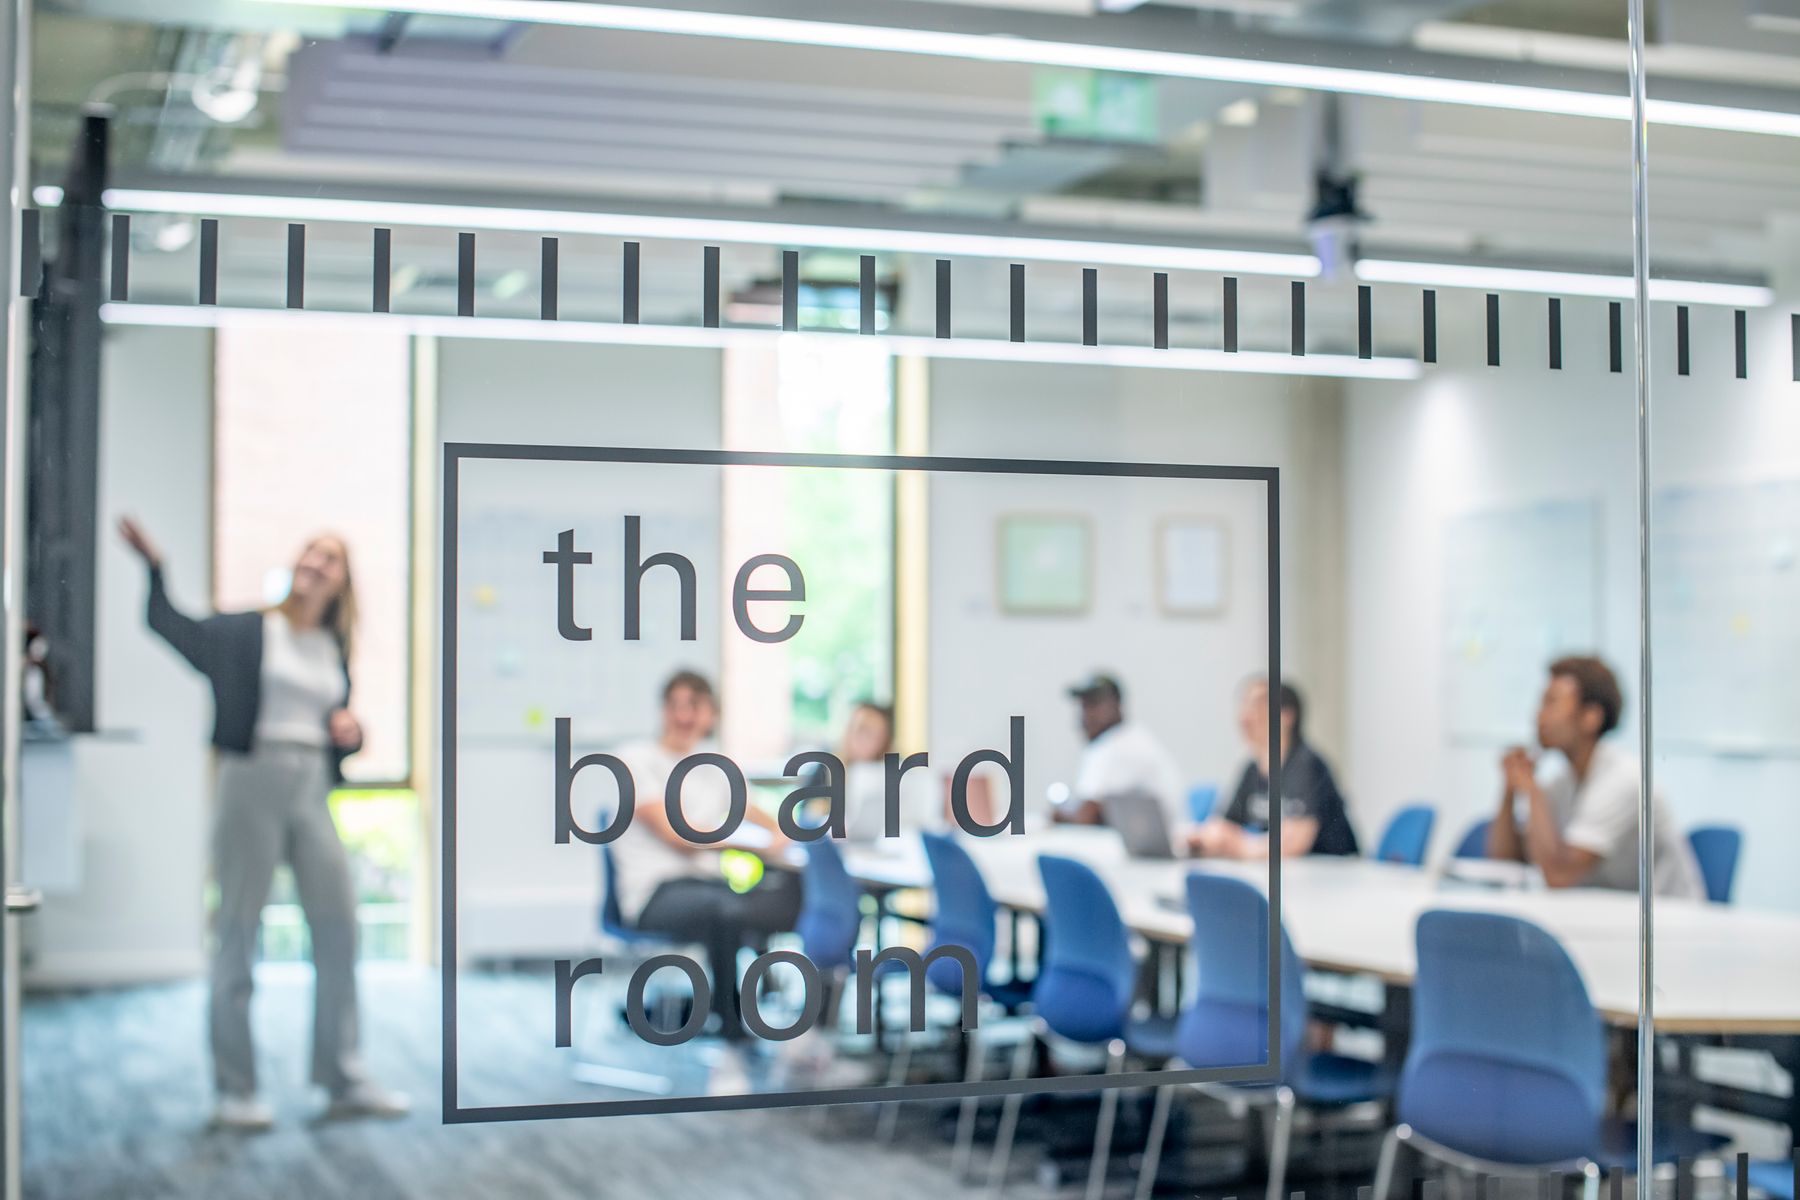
759, 599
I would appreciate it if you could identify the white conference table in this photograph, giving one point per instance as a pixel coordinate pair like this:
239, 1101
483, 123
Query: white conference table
1719, 969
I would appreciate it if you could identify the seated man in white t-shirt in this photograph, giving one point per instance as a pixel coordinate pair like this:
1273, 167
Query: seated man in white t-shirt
1580, 823
668, 885
1120, 757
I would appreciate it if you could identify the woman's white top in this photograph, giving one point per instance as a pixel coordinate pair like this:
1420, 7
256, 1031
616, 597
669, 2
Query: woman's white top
302, 681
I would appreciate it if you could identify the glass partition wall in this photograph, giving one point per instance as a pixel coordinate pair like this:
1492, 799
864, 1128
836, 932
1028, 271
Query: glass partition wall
1159, 599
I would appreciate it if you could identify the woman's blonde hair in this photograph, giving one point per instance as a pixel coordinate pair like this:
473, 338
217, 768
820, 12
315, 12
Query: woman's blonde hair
340, 614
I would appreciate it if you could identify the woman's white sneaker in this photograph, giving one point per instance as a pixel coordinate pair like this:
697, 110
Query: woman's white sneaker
367, 1100
243, 1114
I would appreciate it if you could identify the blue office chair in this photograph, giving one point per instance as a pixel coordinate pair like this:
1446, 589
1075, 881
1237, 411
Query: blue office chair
612, 918
1227, 1025
830, 910
1202, 799
1407, 836
671, 1006
1775, 1178
1083, 994
1716, 848
965, 916
1474, 842
1506, 1072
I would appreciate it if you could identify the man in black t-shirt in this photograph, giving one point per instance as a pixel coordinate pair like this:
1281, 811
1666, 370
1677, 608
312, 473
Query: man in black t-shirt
1313, 817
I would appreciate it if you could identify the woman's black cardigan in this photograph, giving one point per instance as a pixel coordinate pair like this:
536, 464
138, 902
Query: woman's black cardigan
227, 648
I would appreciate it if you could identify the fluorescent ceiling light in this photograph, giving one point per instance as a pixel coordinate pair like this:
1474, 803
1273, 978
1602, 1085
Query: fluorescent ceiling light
699, 229
1341, 366
1037, 52
1559, 283
46, 195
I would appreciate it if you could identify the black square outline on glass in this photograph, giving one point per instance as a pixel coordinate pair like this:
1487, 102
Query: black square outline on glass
456, 452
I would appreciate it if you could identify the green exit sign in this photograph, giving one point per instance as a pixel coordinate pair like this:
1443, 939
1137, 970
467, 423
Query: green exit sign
1099, 105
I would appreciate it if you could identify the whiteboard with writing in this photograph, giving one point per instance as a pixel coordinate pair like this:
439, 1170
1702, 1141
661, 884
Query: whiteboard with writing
515, 673
1521, 586
1725, 617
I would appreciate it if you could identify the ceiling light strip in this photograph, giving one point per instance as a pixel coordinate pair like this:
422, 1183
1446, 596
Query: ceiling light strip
1559, 283
702, 229
1038, 52
1340, 366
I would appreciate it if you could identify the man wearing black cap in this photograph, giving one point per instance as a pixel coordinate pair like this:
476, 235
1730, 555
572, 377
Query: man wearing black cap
1120, 757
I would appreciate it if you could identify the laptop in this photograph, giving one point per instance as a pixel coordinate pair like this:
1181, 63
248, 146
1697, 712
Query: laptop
1141, 823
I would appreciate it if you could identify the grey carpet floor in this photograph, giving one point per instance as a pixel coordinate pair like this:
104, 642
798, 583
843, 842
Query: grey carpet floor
115, 1105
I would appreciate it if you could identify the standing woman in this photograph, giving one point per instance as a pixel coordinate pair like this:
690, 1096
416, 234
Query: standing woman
280, 681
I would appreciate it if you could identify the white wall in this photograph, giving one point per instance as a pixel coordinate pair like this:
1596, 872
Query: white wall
520, 894
142, 785
1468, 437
1180, 673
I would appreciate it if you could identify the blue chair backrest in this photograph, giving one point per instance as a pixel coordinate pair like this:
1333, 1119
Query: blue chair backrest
1085, 989
1407, 835
1508, 1056
1474, 842
830, 908
1716, 847
1228, 1022
612, 918
965, 912
1202, 798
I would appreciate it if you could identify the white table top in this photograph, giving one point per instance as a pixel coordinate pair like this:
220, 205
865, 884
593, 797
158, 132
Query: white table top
1718, 968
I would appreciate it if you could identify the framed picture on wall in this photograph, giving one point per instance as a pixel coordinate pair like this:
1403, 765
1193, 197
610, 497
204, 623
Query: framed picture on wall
1044, 564
1192, 566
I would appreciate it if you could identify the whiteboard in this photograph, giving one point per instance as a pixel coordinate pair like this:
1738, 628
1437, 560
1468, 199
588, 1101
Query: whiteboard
515, 673
1725, 617
1521, 586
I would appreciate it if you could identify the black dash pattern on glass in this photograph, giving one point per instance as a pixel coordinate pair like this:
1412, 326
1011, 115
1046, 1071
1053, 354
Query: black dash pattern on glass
31, 251
1794, 349
1090, 306
121, 258
943, 297
30, 270
1017, 301
465, 274
1365, 321
296, 265
1159, 310
628, 285
1231, 315
209, 261
866, 295
549, 279
709, 287
790, 290
384, 271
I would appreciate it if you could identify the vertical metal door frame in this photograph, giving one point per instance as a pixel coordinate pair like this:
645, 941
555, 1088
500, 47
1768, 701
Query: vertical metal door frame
15, 89
1640, 270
